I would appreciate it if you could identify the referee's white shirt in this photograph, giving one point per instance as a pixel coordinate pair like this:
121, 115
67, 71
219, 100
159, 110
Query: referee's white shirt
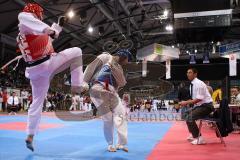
200, 91
10, 100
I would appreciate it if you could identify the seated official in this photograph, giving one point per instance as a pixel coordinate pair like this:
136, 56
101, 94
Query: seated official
13, 104
201, 103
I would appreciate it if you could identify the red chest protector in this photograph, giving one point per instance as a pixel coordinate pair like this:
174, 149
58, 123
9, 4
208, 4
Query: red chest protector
34, 47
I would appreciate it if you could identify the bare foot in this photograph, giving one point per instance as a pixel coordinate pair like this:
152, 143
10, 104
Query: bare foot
111, 149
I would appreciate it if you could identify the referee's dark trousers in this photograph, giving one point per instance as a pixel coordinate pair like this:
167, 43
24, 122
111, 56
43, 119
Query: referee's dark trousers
196, 113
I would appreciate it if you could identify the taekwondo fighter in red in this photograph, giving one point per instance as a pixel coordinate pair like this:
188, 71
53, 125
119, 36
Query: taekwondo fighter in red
35, 42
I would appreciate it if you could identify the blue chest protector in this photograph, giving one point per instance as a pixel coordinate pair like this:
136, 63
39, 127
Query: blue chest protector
105, 75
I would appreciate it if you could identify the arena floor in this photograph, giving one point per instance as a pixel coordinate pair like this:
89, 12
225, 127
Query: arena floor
69, 140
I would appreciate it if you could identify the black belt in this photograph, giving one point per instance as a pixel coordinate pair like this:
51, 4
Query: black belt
30, 64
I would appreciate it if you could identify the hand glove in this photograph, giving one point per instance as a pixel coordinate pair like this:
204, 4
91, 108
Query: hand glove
50, 32
62, 20
52, 35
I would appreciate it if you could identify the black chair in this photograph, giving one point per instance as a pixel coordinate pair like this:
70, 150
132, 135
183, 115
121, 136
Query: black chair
220, 120
214, 122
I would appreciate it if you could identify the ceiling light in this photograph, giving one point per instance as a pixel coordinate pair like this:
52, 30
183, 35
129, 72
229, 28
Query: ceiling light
218, 43
90, 29
71, 14
169, 28
165, 13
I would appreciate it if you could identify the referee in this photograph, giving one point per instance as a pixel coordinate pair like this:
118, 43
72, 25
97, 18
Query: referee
201, 103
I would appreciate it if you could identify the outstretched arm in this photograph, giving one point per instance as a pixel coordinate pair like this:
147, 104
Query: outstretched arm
95, 66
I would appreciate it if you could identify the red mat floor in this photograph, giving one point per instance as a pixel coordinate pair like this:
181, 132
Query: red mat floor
174, 146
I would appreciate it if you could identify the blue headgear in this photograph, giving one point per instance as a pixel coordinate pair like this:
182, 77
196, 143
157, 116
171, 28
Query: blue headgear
124, 53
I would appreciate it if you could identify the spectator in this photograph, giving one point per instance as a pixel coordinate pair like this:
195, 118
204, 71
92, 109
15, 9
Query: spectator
237, 100
235, 113
126, 102
78, 99
217, 95
29, 100
68, 101
1, 100
148, 104
49, 105
4, 99
74, 103
24, 96
81, 103
87, 102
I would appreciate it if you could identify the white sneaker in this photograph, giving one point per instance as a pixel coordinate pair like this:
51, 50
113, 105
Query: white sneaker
190, 138
198, 141
122, 147
111, 148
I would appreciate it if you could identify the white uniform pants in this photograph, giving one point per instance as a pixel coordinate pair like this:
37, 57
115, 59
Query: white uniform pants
155, 107
40, 76
73, 107
81, 105
113, 113
85, 107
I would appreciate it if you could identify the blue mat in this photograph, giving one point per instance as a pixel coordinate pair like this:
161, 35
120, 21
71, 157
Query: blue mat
78, 140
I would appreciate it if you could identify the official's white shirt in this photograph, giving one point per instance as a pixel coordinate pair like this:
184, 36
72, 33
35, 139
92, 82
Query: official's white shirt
200, 91
10, 100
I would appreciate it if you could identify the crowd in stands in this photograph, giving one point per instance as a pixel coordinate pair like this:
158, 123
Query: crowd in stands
14, 79
54, 101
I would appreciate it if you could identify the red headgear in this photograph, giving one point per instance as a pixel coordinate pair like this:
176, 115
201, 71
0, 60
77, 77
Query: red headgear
34, 8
